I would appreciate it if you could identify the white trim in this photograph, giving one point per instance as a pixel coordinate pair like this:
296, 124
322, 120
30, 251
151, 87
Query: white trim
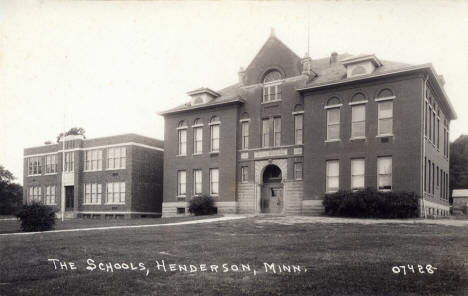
297, 112
332, 140
49, 174
115, 212
198, 125
358, 102
245, 120
384, 135
384, 99
358, 138
268, 148
215, 123
96, 147
271, 101
333, 106
114, 203
181, 127
35, 175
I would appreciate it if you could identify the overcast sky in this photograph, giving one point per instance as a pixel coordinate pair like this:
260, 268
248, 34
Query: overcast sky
113, 65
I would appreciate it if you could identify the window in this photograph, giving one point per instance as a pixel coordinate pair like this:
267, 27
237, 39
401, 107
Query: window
438, 134
51, 164
425, 174
197, 182
385, 118
197, 140
181, 138
433, 127
245, 134
266, 133
214, 128
115, 193
93, 193
116, 158
244, 174
272, 87
429, 178
433, 178
426, 124
357, 173
333, 176
69, 161
181, 183
93, 160
333, 124
384, 173
358, 121
298, 169
35, 194
34, 165
298, 126
50, 195
214, 181
277, 131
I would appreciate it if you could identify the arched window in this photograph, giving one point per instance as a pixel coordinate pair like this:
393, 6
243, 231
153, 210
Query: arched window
197, 136
181, 138
333, 119
358, 70
214, 134
298, 124
245, 130
272, 86
385, 93
358, 97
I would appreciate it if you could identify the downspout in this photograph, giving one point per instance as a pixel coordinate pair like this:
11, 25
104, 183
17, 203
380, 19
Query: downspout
423, 173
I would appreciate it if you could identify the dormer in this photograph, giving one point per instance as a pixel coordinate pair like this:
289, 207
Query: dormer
361, 65
202, 95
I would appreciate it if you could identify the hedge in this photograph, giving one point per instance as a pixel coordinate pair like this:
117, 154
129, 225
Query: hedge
202, 205
369, 203
36, 217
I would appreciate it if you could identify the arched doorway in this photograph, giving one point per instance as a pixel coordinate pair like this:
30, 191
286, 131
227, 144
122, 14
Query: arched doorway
271, 201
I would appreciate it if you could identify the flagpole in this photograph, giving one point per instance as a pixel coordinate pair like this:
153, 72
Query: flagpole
62, 203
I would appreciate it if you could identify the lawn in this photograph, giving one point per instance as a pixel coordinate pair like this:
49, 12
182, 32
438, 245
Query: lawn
341, 259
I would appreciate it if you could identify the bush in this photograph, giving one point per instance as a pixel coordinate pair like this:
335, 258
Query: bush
36, 217
202, 205
370, 203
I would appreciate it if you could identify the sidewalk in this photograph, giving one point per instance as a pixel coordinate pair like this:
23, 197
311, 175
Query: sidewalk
221, 219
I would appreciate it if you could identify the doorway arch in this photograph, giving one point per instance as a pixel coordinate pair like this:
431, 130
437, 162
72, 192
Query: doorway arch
271, 200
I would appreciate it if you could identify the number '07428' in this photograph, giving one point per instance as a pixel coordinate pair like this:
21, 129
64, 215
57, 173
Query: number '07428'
406, 269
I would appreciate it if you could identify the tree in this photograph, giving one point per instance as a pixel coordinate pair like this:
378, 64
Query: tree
11, 194
459, 164
73, 131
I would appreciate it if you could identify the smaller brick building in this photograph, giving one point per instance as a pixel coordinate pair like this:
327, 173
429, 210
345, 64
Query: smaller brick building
117, 176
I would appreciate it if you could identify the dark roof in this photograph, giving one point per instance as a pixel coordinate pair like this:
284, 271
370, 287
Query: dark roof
228, 95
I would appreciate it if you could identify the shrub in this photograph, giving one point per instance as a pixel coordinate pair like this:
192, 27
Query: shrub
36, 217
370, 203
202, 205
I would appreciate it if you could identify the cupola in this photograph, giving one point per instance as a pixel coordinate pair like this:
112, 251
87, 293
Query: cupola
361, 65
202, 95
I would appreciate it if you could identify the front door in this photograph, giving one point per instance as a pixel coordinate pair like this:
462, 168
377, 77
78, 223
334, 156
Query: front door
69, 198
271, 201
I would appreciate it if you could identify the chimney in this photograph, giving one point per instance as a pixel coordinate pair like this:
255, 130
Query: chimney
241, 74
333, 57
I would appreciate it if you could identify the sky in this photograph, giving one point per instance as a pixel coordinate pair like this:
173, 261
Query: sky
110, 67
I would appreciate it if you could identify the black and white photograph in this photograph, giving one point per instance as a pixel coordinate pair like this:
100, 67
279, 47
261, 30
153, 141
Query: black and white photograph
234, 147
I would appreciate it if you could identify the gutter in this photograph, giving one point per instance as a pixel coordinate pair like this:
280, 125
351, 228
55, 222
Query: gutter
202, 106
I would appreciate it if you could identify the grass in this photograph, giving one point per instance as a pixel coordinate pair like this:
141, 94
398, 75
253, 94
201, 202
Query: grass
341, 259
10, 226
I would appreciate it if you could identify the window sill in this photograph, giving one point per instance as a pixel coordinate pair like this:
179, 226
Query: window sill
357, 138
93, 204
35, 175
214, 152
180, 197
116, 169
273, 101
49, 174
384, 135
181, 155
195, 154
115, 203
330, 192
332, 140
87, 171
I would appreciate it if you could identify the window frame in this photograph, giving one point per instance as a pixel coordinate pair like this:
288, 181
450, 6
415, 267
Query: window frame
277, 131
330, 124
69, 162
214, 183
244, 174
301, 170
328, 189
181, 186
266, 126
197, 140
379, 160
121, 157
379, 118
120, 194
353, 175
195, 183
354, 122
299, 129
245, 134
35, 166
50, 161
